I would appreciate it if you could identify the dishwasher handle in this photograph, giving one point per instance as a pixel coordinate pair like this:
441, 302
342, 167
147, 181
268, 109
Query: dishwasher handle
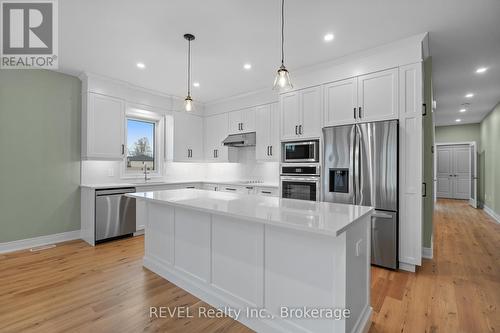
114, 191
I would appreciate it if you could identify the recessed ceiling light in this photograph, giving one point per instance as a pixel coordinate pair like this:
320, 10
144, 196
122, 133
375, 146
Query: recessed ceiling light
328, 37
141, 65
463, 110
247, 66
481, 70
196, 84
469, 95
458, 120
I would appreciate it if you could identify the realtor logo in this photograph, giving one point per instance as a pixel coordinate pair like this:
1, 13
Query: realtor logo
29, 34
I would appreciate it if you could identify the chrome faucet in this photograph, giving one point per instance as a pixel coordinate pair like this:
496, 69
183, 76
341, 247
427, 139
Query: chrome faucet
146, 173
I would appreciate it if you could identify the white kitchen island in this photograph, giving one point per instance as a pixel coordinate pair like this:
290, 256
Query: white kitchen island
287, 265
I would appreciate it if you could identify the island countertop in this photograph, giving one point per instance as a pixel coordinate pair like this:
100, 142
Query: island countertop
318, 217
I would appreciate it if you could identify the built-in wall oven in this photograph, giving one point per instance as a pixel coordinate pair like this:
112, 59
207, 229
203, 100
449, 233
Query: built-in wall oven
301, 152
300, 181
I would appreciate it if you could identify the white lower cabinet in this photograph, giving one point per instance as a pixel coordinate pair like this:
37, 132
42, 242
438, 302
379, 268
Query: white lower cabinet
188, 137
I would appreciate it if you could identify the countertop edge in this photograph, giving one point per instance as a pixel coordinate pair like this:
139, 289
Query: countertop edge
263, 221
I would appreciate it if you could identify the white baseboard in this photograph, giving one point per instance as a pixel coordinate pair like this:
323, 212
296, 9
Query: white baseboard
23, 244
491, 213
407, 267
427, 252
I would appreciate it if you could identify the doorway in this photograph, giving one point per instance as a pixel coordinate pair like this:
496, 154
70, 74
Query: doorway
455, 170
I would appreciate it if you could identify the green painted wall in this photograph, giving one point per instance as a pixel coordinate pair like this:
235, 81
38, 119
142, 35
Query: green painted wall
428, 160
39, 153
489, 157
458, 133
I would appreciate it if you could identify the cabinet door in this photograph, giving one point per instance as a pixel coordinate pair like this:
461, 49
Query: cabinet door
105, 127
248, 120
310, 112
378, 96
341, 102
274, 139
215, 133
263, 130
188, 131
290, 115
234, 122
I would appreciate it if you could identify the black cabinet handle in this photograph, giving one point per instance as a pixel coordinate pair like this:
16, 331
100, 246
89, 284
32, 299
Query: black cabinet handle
242, 126
355, 114
359, 113
424, 190
267, 150
190, 187
265, 192
123, 149
271, 150
216, 153
296, 130
300, 129
230, 189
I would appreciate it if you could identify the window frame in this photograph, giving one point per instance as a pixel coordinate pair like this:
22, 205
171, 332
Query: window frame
142, 114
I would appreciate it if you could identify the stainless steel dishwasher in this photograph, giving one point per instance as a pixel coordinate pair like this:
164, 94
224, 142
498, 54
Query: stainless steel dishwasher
114, 213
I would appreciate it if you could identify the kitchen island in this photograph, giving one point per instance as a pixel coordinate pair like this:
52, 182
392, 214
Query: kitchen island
275, 265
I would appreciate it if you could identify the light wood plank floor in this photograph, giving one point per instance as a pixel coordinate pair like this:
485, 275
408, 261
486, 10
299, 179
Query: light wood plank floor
77, 288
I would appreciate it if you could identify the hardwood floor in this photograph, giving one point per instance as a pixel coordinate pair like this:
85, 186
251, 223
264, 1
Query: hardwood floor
457, 291
78, 288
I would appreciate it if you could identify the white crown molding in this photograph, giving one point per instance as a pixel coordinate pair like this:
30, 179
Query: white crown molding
492, 213
23, 244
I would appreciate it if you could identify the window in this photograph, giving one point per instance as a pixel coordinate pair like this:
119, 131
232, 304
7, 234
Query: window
141, 147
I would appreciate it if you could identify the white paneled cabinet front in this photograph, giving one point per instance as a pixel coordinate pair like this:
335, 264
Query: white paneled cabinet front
215, 132
241, 121
378, 96
188, 133
301, 113
266, 127
104, 128
341, 102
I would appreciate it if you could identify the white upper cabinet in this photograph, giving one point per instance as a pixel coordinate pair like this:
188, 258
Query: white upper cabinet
378, 96
370, 97
241, 121
290, 115
215, 133
310, 107
103, 135
341, 102
267, 127
301, 113
188, 134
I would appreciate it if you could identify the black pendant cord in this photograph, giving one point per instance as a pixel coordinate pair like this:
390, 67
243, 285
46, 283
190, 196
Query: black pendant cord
282, 32
189, 68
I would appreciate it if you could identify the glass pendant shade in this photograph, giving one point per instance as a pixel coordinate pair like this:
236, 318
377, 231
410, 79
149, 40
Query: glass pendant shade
282, 80
188, 103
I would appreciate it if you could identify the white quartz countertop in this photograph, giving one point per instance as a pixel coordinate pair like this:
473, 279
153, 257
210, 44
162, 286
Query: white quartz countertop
318, 217
160, 183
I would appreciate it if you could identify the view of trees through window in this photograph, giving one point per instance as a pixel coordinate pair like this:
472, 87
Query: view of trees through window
140, 144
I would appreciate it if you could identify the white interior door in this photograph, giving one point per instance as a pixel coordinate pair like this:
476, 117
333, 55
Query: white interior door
444, 172
461, 172
473, 175
454, 172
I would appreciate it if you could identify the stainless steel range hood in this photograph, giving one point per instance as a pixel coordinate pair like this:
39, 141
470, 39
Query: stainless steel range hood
240, 140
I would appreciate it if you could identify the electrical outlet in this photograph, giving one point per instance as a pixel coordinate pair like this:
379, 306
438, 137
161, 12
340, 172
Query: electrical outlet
111, 172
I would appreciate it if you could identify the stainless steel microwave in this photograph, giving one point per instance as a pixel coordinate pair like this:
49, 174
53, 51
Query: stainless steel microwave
301, 151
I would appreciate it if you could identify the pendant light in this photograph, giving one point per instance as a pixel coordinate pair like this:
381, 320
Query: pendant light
282, 80
188, 101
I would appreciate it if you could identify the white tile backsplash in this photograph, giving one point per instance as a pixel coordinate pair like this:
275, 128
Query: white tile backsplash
247, 168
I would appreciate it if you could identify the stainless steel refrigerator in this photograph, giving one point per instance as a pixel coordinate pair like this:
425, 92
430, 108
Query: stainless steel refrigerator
360, 166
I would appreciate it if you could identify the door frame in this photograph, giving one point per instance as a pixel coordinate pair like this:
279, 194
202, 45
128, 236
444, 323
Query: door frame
471, 144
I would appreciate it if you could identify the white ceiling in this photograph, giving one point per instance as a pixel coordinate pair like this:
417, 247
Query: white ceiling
110, 37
